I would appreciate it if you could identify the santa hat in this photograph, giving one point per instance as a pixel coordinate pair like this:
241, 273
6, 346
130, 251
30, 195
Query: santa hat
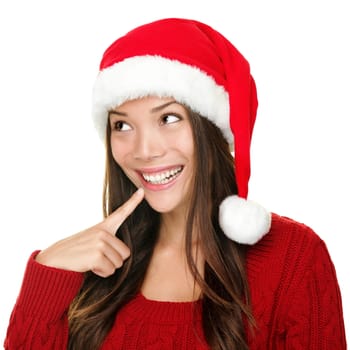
197, 66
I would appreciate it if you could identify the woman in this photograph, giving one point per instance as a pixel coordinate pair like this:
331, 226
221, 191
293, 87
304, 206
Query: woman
182, 259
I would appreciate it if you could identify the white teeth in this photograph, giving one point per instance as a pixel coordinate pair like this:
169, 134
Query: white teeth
162, 178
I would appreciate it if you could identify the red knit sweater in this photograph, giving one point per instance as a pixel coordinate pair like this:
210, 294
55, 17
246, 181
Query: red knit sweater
295, 297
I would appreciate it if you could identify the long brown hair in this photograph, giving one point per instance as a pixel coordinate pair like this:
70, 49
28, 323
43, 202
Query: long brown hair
224, 284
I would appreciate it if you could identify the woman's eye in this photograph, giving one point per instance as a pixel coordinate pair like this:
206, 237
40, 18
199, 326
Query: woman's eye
170, 118
121, 126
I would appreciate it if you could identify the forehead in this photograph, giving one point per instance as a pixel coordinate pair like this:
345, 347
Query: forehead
149, 104
145, 101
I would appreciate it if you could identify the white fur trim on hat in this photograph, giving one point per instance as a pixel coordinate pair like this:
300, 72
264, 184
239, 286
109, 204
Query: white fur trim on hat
141, 76
243, 221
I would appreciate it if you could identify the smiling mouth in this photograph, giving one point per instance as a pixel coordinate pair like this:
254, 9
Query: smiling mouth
163, 177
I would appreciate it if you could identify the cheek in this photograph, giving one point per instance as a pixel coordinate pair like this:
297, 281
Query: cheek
118, 152
114, 151
188, 144
120, 155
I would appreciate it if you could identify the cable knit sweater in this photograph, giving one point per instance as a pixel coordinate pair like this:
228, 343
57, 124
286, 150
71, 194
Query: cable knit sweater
295, 298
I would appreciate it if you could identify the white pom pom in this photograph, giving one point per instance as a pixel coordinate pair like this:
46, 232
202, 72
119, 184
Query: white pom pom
243, 221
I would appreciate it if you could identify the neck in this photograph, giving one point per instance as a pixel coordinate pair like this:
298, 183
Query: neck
173, 229
169, 263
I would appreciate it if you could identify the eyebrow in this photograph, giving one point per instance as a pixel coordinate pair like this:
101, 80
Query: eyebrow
153, 110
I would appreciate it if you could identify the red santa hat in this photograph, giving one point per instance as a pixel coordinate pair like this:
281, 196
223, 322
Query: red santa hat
197, 66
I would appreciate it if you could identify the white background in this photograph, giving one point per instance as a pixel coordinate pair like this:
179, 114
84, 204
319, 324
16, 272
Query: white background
52, 160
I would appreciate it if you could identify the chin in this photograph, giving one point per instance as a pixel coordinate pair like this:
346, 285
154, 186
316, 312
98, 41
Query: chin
159, 208
162, 206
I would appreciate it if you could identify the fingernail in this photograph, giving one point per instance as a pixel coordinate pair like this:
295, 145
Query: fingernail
140, 191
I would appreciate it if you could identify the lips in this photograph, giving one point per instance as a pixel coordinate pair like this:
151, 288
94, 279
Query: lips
162, 177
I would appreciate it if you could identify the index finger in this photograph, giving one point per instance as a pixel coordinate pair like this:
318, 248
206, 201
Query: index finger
114, 220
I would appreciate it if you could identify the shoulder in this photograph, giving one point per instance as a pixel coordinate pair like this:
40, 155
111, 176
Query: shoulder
293, 283
286, 234
288, 249
285, 228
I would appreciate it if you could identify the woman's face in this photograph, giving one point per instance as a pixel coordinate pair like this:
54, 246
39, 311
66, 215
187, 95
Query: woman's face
152, 141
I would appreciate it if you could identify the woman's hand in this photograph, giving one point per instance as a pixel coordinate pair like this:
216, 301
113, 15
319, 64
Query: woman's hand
95, 249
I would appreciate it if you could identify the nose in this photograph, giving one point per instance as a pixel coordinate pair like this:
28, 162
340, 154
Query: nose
149, 144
